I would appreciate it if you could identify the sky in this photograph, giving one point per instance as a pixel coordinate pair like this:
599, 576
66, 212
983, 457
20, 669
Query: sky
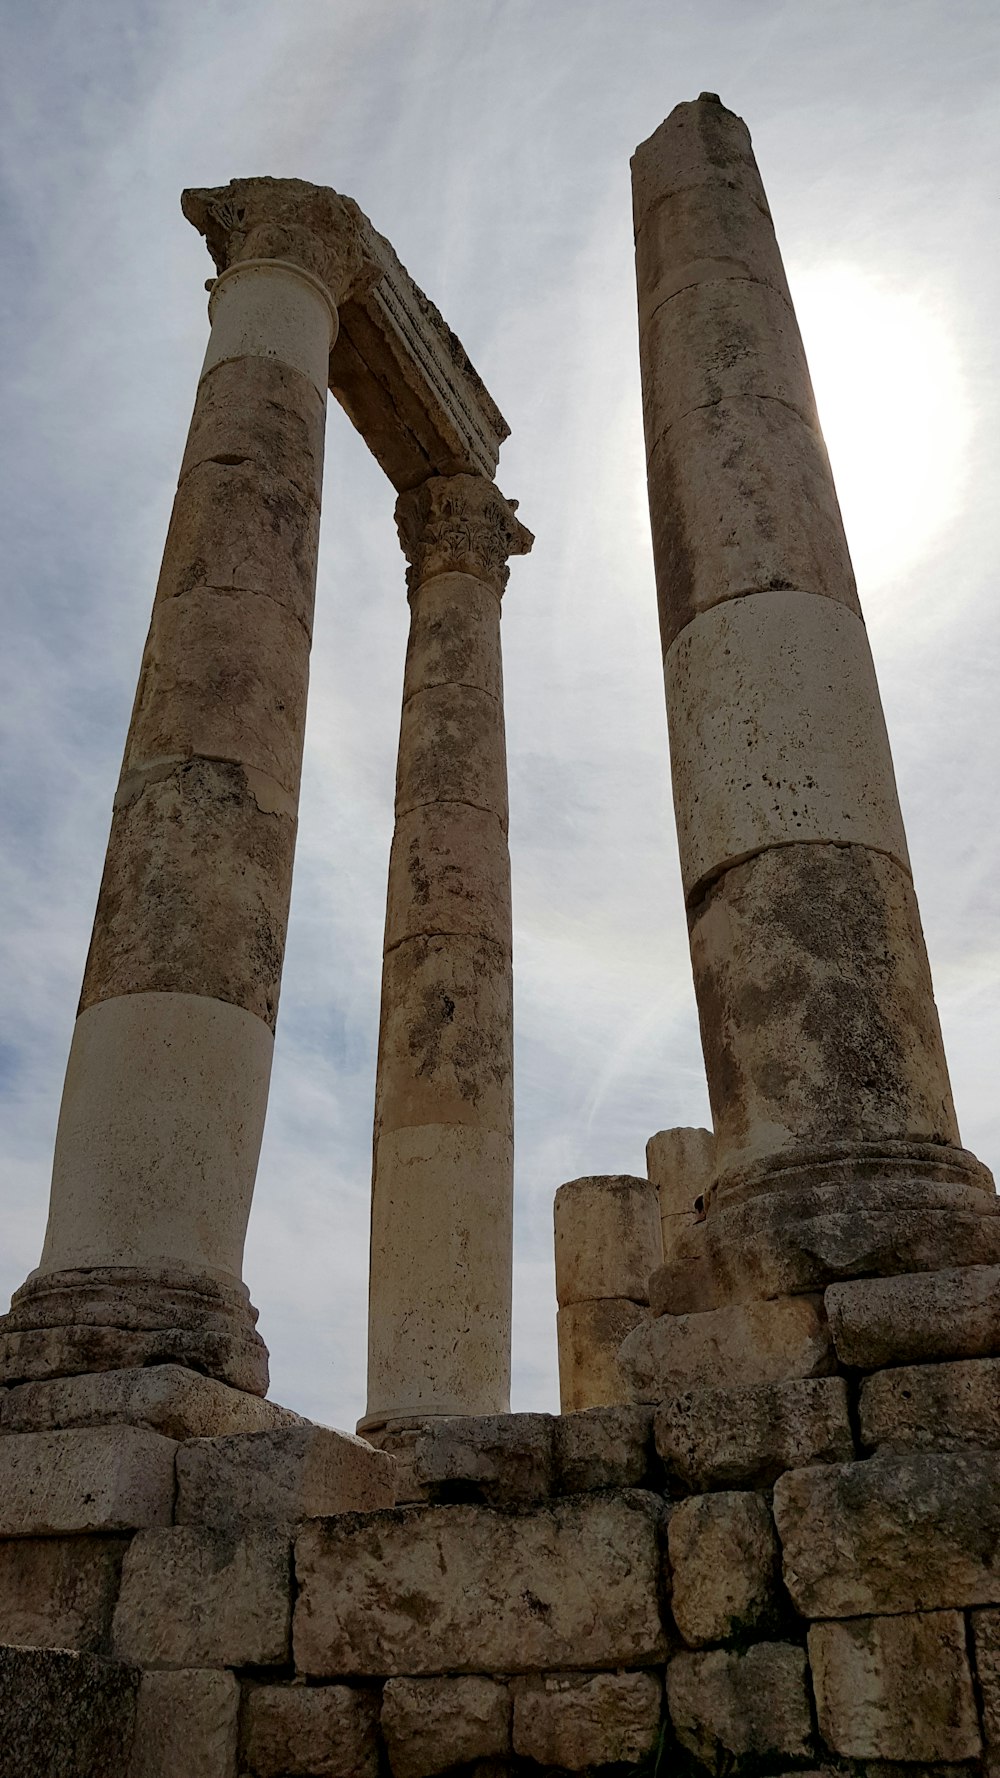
490, 140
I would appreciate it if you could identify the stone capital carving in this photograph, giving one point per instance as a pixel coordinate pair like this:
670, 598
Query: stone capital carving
459, 524
286, 219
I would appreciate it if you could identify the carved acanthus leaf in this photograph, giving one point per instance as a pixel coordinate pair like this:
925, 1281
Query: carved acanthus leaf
459, 524
288, 219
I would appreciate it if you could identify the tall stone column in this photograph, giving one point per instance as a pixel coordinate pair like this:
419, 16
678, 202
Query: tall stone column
168, 1074
440, 1282
822, 1044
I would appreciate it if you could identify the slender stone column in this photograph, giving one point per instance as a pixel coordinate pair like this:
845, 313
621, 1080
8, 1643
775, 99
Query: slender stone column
821, 1037
168, 1074
440, 1284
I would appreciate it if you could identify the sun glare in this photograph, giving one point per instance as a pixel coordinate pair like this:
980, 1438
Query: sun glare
894, 412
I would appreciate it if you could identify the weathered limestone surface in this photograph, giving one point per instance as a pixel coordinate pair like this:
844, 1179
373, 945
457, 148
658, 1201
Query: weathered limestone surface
590, 1337
579, 1720
603, 1448
276, 1479
894, 1534
501, 1459
747, 1343
469, 1589
432, 1724
726, 1567
59, 1592
933, 1407
728, 1707
317, 1731
200, 1598
986, 1643
186, 1722
729, 1438
916, 1318
64, 1715
165, 1398
106, 1479
680, 1163
607, 1238
896, 1688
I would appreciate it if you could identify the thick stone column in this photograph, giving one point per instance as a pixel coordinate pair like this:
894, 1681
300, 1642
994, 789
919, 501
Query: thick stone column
168, 1074
821, 1037
440, 1284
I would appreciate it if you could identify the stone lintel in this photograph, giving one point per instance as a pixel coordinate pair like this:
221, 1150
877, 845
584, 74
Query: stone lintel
396, 368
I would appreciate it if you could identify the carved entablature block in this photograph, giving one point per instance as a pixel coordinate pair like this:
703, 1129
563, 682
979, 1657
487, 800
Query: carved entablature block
459, 524
396, 368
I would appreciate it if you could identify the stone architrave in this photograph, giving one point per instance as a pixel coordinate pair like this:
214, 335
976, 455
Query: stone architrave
822, 1045
440, 1283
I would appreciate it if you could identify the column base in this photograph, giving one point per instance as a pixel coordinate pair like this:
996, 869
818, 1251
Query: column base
112, 1318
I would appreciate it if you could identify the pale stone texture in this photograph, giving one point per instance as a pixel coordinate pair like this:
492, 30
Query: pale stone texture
59, 1592
279, 1478
893, 1534
186, 1722
165, 1398
603, 1448
933, 1407
314, 1731
789, 744
680, 1164
64, 1714
114, 1478
607, 1238
502, 1460
590, 1337
163, 1091
442, 1184
276, 312
729, 1708
703, 234
725, 1565
700, 146
896, 1688
916, 1318
469, 1589
579, 1720
986, 1644
430, 1725
747, 1343
196, 1598
727, 1438
264, 413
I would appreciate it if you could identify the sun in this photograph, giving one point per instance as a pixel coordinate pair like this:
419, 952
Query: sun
894, 411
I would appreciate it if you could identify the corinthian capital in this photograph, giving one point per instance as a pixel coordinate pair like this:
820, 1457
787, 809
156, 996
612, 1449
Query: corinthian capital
287, 219
459, 524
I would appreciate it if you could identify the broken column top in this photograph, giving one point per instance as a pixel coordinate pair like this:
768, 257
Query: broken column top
398, 371
700, 143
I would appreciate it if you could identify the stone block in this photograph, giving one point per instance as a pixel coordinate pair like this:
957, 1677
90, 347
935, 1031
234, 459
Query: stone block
917, 1317
470, 1589
895, 1688
746, 1343
399, 1439
986, 1643
933, 1407
434, 991
197, 1598
166, 1398
264, 412
894, 1534
746, 1438
116, 1478
680, 1163
576, 1721
607, 1238
430, 1725
700, 144
449, 873
499, 1459
698, 236
327, 1731
733, 1710
726, 1567
276, 1479
451, 750
590, 1336
64, 1714
59, 1592
186, 1722
603, 1448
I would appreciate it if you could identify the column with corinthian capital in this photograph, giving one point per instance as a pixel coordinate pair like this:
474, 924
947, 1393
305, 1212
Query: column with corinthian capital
167, 1083
440, 1284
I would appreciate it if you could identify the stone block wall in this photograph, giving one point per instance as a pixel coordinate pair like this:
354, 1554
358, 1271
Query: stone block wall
785, 1577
